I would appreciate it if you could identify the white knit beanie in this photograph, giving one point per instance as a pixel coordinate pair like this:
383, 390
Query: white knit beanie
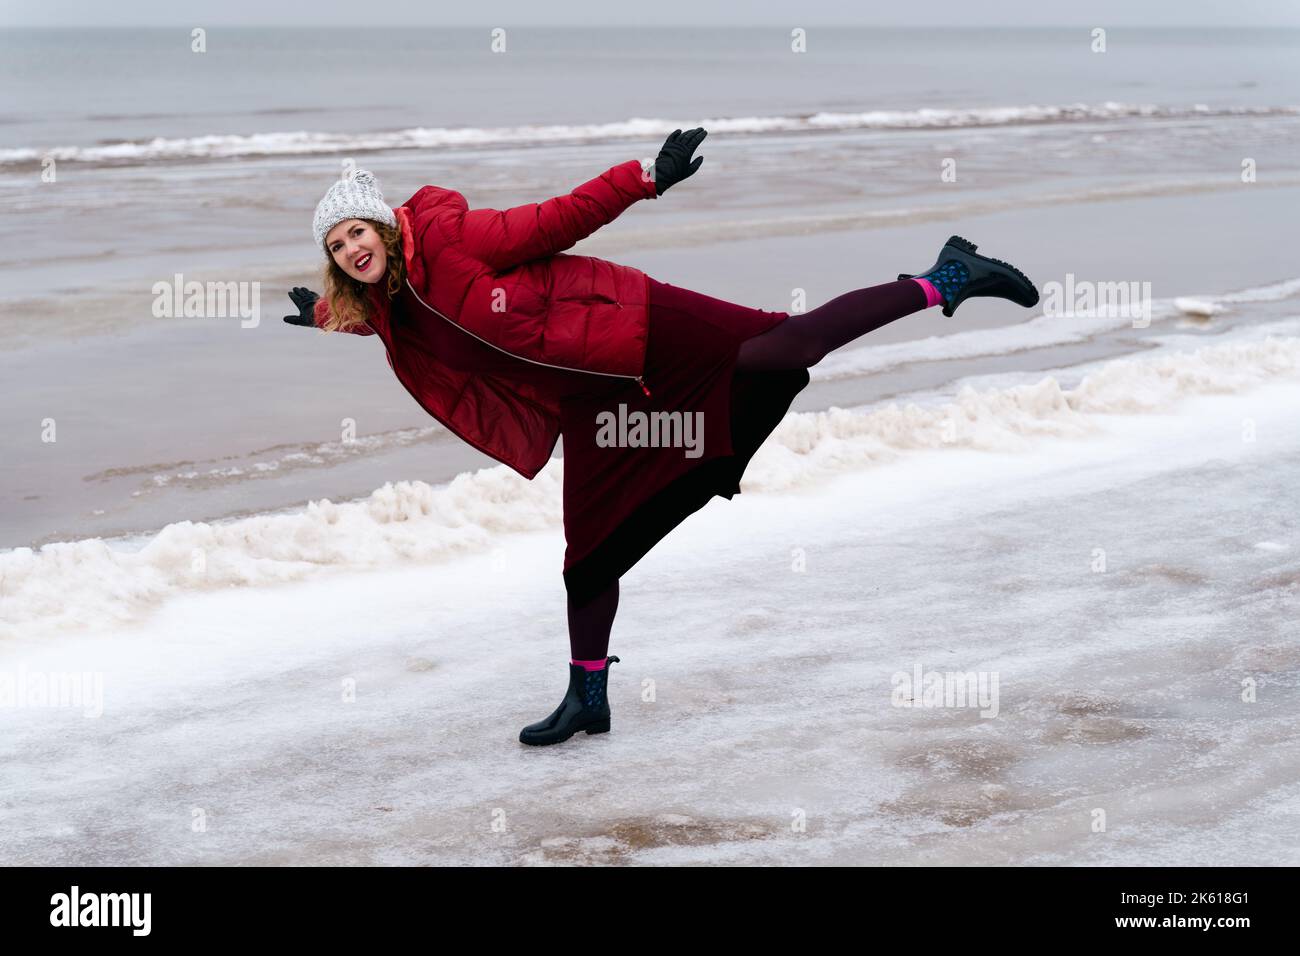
356, 197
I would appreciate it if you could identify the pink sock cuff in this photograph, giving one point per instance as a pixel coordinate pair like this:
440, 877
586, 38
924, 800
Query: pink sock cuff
932, 296
590, 665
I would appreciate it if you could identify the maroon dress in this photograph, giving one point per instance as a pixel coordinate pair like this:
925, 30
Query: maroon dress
620, 500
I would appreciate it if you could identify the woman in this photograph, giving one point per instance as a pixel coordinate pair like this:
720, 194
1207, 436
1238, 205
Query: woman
510, 343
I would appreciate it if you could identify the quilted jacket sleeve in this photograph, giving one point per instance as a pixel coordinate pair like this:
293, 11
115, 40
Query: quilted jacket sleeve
502, 239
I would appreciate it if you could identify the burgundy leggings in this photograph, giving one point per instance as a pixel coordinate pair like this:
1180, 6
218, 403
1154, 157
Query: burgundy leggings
804, 340
801, 341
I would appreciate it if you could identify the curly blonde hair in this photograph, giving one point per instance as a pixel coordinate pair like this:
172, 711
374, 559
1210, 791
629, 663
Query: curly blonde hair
347, 296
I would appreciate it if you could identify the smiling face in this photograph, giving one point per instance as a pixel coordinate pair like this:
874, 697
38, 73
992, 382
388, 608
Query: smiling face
358, 250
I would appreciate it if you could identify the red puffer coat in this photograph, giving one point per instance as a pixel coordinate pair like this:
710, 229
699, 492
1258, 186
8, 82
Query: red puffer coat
499, 276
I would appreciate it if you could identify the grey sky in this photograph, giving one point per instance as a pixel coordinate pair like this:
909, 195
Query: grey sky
659, 13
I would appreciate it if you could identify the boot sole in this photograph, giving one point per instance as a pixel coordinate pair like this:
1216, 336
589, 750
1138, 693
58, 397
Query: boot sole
599, 727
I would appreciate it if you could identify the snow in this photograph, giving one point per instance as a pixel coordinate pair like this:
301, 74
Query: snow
1127, 569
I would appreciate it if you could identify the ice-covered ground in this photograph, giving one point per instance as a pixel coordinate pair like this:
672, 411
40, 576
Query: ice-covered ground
1111, 553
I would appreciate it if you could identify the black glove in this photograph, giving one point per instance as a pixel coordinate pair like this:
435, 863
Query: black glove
305, 300
674, 161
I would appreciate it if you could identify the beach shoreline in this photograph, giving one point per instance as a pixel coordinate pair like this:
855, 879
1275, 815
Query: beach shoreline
222, 446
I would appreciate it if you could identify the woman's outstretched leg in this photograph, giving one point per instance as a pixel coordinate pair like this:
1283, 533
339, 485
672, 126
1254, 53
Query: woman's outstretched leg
959, 273
804, 340
589, 627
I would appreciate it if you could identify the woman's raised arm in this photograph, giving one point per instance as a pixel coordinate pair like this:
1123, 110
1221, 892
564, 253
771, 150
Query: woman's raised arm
503, 239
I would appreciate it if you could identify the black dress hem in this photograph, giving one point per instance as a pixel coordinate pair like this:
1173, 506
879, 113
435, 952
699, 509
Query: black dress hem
759, 400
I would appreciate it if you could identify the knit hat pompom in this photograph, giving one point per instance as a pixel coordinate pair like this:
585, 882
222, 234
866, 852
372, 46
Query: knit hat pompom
356, 197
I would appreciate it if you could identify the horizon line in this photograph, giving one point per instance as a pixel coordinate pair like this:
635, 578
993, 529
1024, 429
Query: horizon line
661, 26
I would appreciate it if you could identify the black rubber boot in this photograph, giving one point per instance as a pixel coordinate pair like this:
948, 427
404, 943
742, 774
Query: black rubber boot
584, 707
959, 274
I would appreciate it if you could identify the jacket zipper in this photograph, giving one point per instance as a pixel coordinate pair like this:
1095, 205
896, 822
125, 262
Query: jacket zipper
430, 411
635, 378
